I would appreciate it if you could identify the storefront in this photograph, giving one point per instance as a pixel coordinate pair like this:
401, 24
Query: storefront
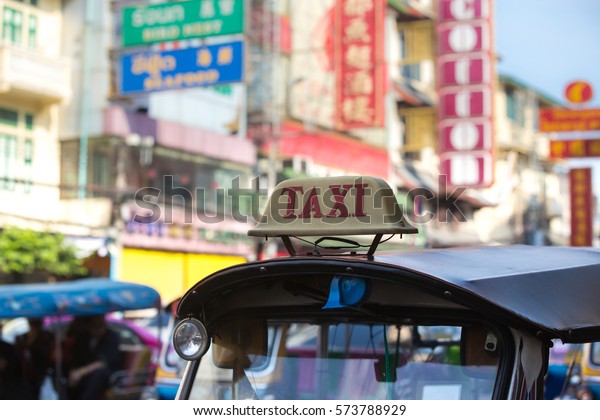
171, 273
175, 249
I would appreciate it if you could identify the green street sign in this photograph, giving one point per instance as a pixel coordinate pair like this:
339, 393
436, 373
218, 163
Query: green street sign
162, 22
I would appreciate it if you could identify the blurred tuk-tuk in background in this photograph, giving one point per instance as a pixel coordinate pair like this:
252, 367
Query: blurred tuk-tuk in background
60, 303
588, 382
169, 366
331, 322
562, 377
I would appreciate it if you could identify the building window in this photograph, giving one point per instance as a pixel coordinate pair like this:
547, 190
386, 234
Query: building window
16, 150
69, 166
511, 105
29, 122
12, 24
9, 117
412, 71
28, 165
32, 2
32, 29
8, 159
102, 171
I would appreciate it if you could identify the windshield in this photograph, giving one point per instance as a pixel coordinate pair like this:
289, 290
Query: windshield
356, 361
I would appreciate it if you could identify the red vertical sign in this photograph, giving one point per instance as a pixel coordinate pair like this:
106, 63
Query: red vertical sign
580, 182
359, 63
465, 92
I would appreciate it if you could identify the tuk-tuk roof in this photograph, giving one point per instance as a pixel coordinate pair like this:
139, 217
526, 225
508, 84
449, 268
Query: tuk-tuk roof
79, 297
554, 290
557, 288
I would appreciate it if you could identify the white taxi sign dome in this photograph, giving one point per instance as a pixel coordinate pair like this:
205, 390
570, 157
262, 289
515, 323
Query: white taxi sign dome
345, 205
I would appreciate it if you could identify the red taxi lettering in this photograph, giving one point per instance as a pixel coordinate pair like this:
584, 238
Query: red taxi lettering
291, 204
339, 192
312, 204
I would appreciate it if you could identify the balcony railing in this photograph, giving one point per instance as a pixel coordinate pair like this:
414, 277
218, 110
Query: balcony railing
30, 73
30, 61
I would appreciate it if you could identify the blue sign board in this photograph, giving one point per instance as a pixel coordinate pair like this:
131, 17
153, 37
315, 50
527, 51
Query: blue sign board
208, 65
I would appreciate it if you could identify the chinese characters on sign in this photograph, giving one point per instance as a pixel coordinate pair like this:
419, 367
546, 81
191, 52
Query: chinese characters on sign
177, 69
155, 23
580, 182
359, 63
465, 92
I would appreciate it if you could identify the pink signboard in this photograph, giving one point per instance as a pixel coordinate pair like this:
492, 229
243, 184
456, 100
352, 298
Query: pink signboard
473, 168
464, 10
466, 135
465, 92
463, 38
465, 102
465, 70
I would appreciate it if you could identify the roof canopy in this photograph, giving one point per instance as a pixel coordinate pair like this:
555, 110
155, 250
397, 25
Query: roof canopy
555, 288
552, 290
80, 297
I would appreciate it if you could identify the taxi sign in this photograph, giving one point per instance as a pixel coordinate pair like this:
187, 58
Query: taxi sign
335, 206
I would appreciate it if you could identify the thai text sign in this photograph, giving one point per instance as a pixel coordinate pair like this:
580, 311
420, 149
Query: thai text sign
554, 119
173, 21
178, 69
359, 63
580, 182
465, 92
574, 148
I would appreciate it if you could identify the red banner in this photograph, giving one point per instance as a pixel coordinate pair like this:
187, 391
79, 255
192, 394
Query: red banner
574, 148
580, 182
359, 63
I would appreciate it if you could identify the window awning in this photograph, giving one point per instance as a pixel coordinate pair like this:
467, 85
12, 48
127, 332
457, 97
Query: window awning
406, 93
412, 177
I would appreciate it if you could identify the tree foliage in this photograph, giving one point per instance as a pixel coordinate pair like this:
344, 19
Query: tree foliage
24, 251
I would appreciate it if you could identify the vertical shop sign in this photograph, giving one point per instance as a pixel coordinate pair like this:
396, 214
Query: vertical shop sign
359, 63
465, 92
580, 182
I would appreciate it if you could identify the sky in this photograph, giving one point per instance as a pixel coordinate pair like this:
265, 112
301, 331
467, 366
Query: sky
548, 43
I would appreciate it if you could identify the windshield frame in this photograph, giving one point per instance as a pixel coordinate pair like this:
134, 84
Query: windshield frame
457, 317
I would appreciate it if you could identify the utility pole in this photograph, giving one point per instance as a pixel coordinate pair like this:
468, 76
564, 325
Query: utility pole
85, 108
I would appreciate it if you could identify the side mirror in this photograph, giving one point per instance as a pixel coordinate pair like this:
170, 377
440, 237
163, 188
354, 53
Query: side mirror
240, 343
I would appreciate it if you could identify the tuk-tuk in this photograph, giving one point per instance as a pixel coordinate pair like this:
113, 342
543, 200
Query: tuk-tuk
169, 366
341, 320
587, 378
60, 302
